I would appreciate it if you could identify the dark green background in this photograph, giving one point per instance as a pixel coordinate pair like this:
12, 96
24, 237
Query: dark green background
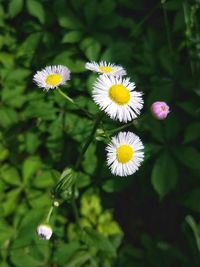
41, 134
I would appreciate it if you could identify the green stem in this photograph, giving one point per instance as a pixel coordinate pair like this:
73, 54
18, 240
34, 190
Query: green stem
88, 114
49, 214
167, 29
77, 165
120, 128
65, 96
75, 210
145, 18
89, 140
187, 34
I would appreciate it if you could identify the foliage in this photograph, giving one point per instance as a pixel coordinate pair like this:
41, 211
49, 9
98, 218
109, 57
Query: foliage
41, 134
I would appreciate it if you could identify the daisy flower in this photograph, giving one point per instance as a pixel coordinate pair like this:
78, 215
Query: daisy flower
51, 77
124, 154
106, 68
116, 96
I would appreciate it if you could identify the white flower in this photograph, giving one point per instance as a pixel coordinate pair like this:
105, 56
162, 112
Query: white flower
44, 231
124, 154
106, 68
116, 96
51, 77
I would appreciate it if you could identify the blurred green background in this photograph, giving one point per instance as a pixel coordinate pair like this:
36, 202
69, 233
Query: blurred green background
150, 219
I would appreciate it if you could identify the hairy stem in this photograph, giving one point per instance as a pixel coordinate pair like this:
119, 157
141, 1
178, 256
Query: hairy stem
89, 140
88, 114
49, 214
120, 128
77, 165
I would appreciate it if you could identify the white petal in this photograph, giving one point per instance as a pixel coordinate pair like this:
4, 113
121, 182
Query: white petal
40, 77
125, 169
123, 113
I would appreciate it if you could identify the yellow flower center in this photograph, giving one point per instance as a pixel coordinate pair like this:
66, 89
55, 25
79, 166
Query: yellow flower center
124, 153
119, 94
53, 79
106, 69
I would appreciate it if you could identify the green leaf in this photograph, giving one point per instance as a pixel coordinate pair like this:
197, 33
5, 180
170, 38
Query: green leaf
30, 166
115, 185
77, 127
92, 52
102, 243
32, 142
21, 258
6, 232
82, 180
8, 117
188, 156
14, 97
4, 153
66, 252
38, 199
90, 11
192, 132
91, 48
7, 59
36, 9
46, 179
72, 37
10, 202
164, 175
192, 201
15, 7
90, 160
40, 109
10, 175
79, 258
195, 228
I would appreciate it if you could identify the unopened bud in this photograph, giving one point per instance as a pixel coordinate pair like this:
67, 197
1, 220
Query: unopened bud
160, 110
44, 231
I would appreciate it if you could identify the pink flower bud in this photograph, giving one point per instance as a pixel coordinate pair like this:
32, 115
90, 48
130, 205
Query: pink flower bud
160, 110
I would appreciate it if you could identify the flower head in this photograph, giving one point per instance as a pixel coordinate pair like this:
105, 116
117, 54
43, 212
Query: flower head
160, 110
105, 68
125, 154
116, 96
44, 231
51, 77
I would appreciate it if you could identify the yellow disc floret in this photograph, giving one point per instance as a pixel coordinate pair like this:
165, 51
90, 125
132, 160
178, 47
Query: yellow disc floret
119, 94
53, 79
105, 69
124, 153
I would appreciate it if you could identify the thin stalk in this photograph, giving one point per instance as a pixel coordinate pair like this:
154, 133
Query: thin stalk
167, 29
187, 34
88, 114
120, 128
75, 211
88, 141
145, 18
65, 96
77, 165
49, 214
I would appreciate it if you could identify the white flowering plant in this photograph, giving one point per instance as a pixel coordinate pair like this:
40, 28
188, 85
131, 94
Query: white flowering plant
99, 133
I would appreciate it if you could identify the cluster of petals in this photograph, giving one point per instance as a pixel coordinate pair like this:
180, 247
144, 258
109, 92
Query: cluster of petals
117, 97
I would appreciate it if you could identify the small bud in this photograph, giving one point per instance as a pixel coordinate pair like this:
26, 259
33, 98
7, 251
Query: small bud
44, 231
56, 204
160, 110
